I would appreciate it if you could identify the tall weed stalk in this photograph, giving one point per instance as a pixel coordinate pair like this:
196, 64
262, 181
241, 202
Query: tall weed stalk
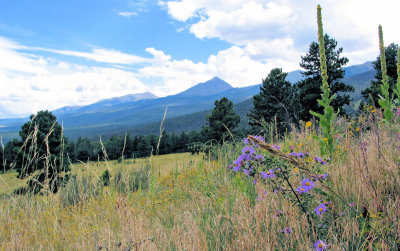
384, 101
327, 144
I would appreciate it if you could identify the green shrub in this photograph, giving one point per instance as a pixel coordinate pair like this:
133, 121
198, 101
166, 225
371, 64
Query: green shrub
105, 178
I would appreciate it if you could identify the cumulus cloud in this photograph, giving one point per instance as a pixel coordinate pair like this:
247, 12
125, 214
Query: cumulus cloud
29, 82
255, 23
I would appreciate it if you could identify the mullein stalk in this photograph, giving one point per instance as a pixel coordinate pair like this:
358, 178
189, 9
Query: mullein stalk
327, 144
397, 90
384, 100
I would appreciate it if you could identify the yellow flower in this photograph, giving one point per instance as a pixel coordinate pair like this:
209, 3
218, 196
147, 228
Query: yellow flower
373, 110
357, 129
308, 124
326, 139
300, 144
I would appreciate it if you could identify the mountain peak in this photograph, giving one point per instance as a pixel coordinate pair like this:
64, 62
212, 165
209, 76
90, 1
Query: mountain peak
212, 86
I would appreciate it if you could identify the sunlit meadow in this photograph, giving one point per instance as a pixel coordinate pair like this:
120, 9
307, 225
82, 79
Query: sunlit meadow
198, 202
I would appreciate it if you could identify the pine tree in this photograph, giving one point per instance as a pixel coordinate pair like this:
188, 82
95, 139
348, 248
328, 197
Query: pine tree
309, 88
275, 100
221, 120
43, 153
374, 90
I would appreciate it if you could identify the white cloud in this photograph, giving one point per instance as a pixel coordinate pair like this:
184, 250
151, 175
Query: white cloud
353, 23
127, 14
30, 83
101, 55
251, 21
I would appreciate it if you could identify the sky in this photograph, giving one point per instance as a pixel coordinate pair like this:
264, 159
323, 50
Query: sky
57, 53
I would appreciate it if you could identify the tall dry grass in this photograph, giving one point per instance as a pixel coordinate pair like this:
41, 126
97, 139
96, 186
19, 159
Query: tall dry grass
203, 205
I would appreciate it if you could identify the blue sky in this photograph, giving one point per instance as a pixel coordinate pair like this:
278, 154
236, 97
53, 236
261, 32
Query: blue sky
56, 53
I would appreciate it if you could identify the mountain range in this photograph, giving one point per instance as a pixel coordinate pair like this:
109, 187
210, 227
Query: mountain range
141, 113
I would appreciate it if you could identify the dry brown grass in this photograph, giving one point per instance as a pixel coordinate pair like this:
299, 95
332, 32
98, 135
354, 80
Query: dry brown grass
200, 205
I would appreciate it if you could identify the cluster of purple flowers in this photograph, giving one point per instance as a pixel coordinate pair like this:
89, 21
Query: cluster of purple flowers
246, 161
298, 154
306, 186
319, 160
276, 147
247, 141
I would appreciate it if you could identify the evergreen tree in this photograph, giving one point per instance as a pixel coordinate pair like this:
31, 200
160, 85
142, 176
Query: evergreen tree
69, 149
43, 151
165, 144
375, 88
310, 88
222, 117
276, 99
182, 143
84, 150
135, 143
144, 148
129, 148
114, 147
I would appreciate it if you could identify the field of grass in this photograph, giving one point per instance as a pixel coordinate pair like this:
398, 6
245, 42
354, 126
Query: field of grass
195, 202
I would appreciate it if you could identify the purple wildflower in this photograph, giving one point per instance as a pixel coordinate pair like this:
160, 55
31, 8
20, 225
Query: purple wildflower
276, 147
320, 209
308, 184
323, 176
248, 150
260, 138
319, 160
259, 157
236, 168
298, 155
255, 181
230, 166
302, 189
269, 174
246, 171
246, 141
287, 230
320, 245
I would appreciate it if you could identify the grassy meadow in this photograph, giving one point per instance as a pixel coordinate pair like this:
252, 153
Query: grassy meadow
195, 202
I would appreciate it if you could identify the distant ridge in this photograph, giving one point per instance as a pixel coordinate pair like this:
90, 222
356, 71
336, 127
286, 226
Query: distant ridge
104, 103
210, 87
